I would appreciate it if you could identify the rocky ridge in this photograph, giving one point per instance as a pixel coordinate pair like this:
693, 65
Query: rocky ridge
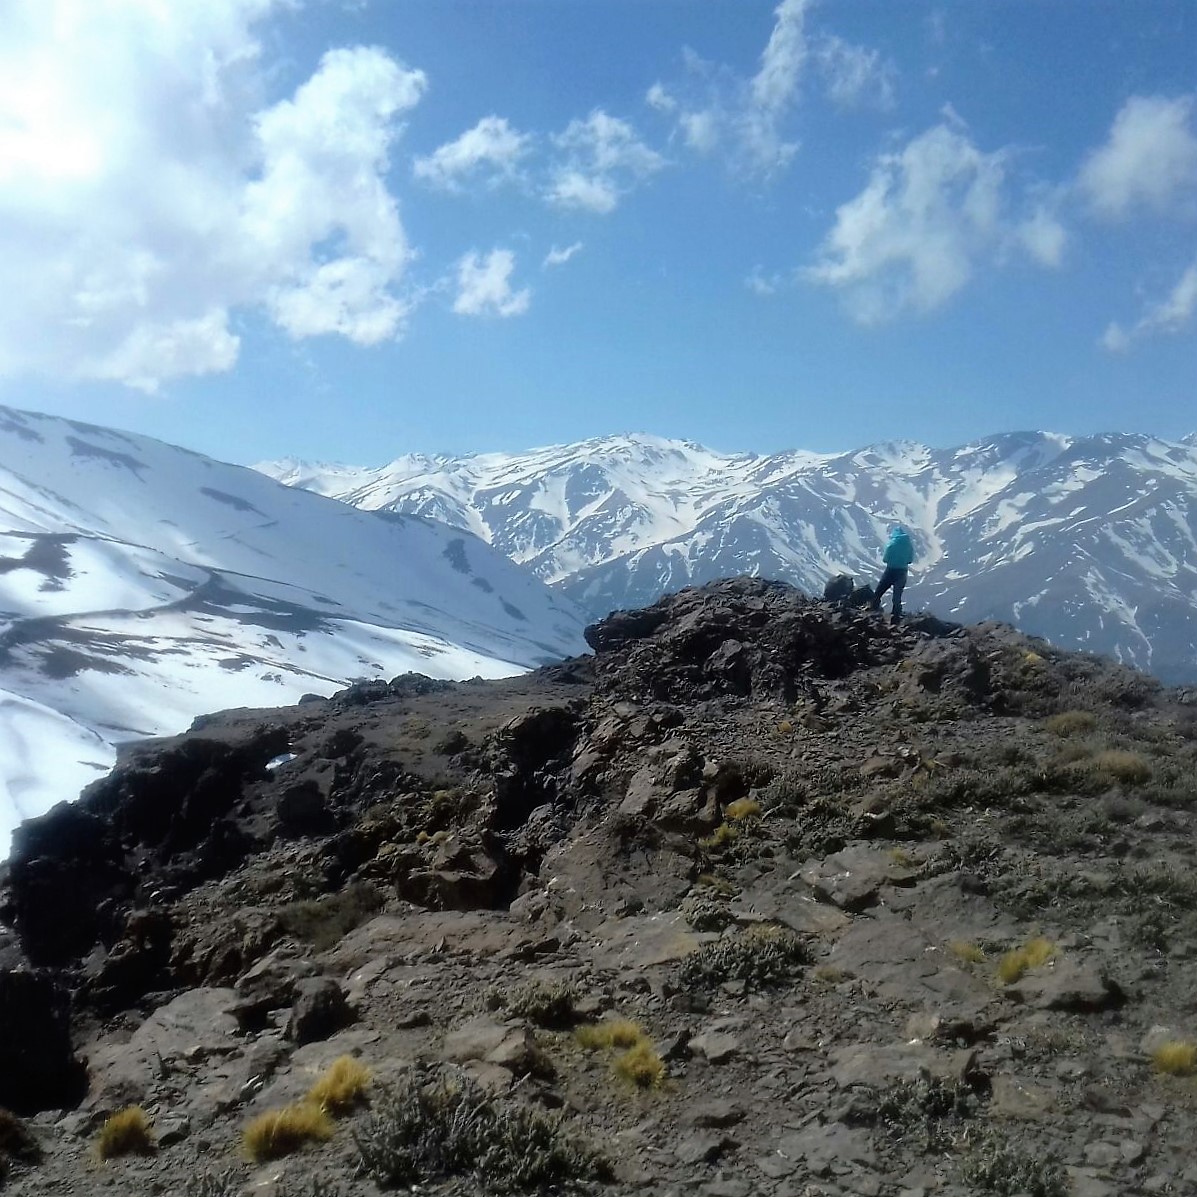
893, 910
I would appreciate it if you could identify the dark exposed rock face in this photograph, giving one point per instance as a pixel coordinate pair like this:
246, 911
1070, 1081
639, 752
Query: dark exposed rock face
38, 1069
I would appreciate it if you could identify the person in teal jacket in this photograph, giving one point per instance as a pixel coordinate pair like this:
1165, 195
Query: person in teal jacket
898, 555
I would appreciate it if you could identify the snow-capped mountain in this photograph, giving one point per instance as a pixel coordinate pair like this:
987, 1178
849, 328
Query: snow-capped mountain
142, 585
1089, 541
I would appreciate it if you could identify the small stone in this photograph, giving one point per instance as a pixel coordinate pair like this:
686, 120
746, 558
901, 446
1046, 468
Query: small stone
715, 1047
718, 1113
173, 1130
1102, 1154
1132, 1152
703, 1148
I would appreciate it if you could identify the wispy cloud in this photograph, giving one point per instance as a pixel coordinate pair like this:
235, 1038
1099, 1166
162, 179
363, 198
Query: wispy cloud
602, 159
149, 194
491, 151
856, 76
714, 109
558, 257
1167, 316
1149, 160
484, 286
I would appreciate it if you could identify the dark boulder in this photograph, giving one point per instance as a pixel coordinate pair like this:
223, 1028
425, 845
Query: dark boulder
319, 1010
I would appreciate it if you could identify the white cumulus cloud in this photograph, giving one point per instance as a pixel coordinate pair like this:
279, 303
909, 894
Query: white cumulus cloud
602, 159
1166, 316
484, 286
912, 238
1148, 161
491, 149
149, 189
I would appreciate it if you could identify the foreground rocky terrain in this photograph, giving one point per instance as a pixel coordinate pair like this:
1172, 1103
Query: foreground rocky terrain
765, 897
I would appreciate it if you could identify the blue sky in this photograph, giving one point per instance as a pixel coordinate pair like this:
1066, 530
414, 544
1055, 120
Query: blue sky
351, 230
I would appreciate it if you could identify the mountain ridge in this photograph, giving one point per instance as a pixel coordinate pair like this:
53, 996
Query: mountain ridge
142, 584
1090, 541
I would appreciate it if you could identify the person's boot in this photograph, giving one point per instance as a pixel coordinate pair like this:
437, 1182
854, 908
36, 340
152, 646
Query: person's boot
895, 619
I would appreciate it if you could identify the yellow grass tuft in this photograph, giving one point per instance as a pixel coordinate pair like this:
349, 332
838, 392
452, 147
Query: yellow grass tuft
723, 835
970, 953
127, 1132
341, 1086
1014, 965
615, 1032
742, 808
1177, 1057
277, 1133
641, 1066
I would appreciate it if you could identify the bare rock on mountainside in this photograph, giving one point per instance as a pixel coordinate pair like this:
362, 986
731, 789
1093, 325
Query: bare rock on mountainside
766, 897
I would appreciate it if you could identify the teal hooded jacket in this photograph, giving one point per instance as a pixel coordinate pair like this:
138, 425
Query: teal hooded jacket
900, 551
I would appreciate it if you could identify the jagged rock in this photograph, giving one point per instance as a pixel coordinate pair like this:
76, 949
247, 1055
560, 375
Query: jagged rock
302, 809
38, 1068
1069, 985
319, 1009
271, 984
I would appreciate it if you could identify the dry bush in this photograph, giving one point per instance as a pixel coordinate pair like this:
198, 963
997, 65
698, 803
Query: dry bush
127, 1132
1014, 965
1070, 723
1177, 1057
341, 1086
1120, 765
277, 1133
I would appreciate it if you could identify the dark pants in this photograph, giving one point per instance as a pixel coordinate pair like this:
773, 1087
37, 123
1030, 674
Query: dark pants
896, 578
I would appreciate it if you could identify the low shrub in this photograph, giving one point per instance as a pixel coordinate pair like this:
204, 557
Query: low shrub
324, 922
545, 1003
1177, 1057
998, 1165
16, 1139
762, 959
341, 1086
277, 1133
1014, 965
127, 1132
431, 1127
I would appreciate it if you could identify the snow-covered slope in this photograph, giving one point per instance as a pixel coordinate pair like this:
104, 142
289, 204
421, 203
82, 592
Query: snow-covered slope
1091, 542
142, 585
